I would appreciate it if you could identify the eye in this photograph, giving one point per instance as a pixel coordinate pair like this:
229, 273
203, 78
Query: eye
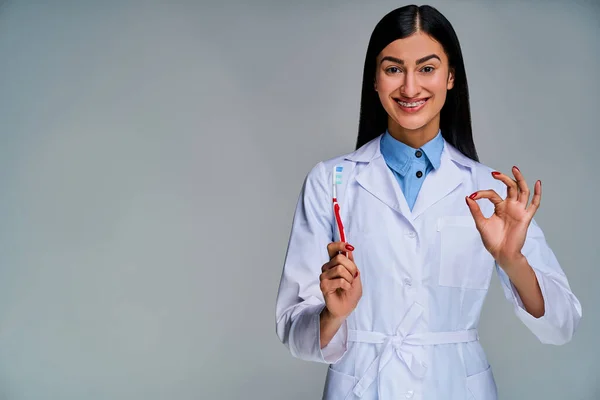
392, 70
428, 69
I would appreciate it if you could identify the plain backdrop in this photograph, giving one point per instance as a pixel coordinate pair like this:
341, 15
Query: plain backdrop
151, 155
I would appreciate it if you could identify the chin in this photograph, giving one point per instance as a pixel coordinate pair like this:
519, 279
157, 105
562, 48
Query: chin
412, 124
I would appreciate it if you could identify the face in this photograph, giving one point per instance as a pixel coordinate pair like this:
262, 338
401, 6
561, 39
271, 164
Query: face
412, 77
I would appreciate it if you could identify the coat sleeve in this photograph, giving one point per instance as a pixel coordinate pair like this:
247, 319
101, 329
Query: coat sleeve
299, 298
562, 309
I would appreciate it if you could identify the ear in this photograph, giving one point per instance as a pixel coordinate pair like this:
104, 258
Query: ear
450, 84
375, 84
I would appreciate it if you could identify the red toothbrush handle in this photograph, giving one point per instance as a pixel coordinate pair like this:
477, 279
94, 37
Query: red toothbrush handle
336, 208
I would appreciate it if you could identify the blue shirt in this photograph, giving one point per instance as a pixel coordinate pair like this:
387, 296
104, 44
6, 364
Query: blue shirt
410, 166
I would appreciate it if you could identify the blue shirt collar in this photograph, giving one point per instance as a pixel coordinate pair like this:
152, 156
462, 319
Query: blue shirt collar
399, 155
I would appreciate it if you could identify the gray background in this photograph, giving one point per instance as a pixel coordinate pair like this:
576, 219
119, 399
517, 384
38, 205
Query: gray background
151, 156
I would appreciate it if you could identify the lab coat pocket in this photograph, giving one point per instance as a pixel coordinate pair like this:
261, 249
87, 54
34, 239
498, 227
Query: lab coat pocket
338, 385
482, 386
464, 261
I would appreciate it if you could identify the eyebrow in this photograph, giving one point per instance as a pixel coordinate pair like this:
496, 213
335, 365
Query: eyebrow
419, 61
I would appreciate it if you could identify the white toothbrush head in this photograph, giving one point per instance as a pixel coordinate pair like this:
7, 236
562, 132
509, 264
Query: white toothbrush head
337, 178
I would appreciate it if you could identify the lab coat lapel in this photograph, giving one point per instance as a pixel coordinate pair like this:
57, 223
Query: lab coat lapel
378, 179
438, 183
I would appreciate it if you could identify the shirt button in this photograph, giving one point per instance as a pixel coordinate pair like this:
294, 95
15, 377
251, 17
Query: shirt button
418, 153
407, 282
419, 174
409, 394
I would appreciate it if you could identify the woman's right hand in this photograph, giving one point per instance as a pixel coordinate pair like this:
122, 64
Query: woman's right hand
340, 281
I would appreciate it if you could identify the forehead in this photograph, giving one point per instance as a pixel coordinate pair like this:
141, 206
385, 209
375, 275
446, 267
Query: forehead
413, 47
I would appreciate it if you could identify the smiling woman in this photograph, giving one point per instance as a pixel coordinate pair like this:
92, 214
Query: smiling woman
395, 309
414, 56
407, 86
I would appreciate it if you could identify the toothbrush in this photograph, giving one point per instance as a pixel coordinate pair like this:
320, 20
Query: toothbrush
337, 180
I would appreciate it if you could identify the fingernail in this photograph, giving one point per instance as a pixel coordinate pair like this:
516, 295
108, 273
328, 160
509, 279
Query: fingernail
517, 168
472, 197
495, 173
350, 247
356, 274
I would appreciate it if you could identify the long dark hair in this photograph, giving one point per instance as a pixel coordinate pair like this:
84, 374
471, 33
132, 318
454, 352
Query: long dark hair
455, 117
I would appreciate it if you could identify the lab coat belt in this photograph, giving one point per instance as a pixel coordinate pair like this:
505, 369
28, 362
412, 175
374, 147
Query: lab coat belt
414, 339
396, 343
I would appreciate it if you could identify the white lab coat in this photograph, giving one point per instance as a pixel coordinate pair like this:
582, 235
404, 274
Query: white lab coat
425, 275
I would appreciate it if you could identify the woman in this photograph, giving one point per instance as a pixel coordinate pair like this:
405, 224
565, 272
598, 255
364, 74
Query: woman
394, 310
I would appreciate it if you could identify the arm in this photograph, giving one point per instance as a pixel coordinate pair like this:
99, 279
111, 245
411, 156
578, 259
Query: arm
528, 269
526, 285
300, 302
540, 292
329, 326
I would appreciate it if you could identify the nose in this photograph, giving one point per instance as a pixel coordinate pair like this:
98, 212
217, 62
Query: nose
410, 87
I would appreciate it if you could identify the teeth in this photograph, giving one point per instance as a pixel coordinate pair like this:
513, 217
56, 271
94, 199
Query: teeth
416, 104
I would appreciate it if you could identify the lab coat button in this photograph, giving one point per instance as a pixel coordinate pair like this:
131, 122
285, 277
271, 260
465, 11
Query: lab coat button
409, 394
407, 282
419, 174
411, 234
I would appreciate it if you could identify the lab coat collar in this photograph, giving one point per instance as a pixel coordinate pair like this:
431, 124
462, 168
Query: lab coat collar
379, 180
372, 149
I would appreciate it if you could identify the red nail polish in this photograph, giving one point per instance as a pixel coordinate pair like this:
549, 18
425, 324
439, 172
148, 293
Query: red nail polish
517, 168
350, 247
356, 274
495, 173
472, 197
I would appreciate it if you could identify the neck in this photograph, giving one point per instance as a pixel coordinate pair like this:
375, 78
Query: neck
414, 138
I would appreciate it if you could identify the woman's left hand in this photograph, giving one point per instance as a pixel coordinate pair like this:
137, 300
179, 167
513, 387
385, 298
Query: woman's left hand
503, 234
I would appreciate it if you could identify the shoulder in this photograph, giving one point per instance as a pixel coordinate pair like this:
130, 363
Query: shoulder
480, 173
323, 170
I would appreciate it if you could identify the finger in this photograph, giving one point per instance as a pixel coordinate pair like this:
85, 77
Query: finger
339, 271
523, 197
342, 260
331, 285
512, 188
475, 211
334, 248
491, 195
537, 198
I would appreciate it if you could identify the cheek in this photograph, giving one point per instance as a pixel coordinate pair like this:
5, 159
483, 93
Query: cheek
439, 85
440, 96
384, 91
436, 86
385, 86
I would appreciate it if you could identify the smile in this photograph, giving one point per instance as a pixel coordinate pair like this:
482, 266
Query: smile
411, 106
